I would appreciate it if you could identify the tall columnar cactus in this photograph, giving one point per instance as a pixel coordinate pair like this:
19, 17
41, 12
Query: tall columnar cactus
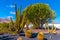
17, 22
20, 19
11, 25
53, 28
23, 21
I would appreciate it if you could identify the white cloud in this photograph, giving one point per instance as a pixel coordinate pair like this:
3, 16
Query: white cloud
12, 6
8, 17
12, 12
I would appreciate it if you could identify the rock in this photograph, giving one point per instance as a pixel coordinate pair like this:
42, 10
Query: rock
19, 38
1, 33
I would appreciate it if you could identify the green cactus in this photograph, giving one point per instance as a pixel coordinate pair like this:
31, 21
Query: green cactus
20, 19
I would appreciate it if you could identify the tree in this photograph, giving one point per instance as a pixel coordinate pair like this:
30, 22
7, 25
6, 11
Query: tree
39, 14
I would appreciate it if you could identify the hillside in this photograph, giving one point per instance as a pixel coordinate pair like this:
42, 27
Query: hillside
4, 20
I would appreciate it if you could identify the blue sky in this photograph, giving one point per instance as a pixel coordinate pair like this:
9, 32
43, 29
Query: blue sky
7, 9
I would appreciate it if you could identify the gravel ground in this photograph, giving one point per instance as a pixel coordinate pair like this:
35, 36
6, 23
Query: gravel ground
47, 37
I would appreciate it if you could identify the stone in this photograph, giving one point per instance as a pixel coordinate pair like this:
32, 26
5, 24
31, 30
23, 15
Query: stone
19, 38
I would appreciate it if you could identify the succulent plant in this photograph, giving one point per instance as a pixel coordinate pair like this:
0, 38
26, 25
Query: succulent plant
40, 36
28, 33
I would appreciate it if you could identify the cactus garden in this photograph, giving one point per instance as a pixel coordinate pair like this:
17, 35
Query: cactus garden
30, 20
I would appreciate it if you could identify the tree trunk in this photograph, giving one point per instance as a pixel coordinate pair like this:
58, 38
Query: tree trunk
41, 26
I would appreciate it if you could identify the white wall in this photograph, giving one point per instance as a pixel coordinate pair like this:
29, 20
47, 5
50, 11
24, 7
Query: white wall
56, 25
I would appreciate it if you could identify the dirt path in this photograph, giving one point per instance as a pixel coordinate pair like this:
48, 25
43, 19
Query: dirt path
42, 30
